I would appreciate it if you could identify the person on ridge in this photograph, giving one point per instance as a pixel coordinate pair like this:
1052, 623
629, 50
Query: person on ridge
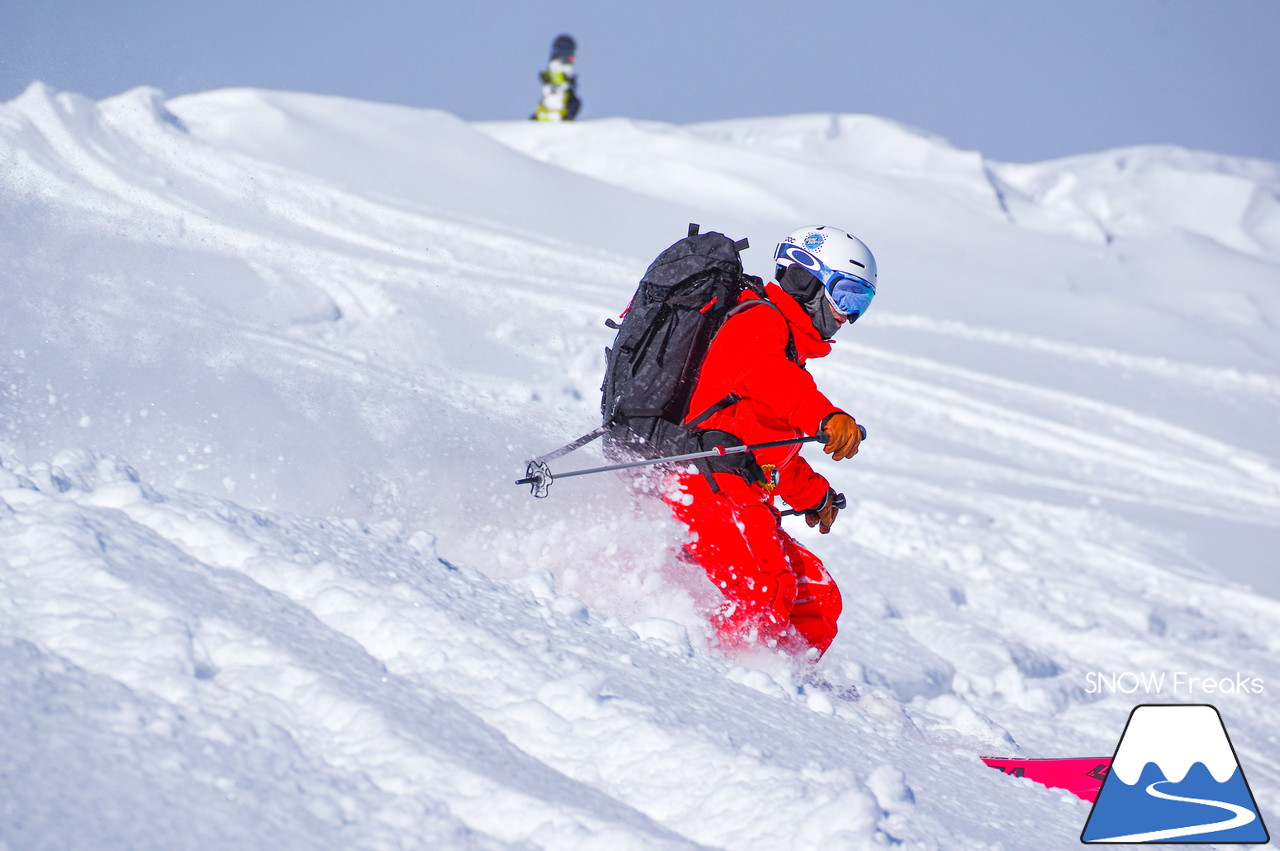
559, 84
777, 594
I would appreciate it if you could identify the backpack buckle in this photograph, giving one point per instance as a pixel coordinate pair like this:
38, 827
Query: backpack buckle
770, 477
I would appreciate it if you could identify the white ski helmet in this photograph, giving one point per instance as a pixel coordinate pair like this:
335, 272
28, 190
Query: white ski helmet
838, 259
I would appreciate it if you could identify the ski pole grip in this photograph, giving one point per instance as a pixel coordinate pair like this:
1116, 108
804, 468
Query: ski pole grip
839, 502
822, 436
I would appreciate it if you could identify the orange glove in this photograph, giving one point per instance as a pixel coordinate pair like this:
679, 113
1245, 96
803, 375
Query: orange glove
824, 513
843, 436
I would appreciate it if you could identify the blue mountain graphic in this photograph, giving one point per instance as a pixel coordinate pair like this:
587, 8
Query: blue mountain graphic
1131, 811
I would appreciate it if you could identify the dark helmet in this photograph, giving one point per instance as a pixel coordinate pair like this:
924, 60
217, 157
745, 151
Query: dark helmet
563, 47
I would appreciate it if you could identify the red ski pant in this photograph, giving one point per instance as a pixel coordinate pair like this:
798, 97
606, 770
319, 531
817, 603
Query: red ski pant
777, 593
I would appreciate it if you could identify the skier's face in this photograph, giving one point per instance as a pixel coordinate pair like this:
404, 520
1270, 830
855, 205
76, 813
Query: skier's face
841, 319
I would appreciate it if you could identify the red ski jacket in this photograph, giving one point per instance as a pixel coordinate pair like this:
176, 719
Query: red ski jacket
780, 400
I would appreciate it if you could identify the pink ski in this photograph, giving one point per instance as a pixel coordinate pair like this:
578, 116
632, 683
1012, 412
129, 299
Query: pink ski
1081, 776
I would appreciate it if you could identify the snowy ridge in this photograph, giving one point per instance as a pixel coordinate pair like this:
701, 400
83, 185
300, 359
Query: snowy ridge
1139, 191
228, 318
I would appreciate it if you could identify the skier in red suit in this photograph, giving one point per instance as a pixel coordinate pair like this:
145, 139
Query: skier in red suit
777, 594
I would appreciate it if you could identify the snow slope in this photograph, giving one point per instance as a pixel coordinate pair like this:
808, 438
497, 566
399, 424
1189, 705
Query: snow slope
227, 319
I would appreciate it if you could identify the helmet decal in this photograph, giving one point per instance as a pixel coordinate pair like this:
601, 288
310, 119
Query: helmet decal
814, 241
796, 254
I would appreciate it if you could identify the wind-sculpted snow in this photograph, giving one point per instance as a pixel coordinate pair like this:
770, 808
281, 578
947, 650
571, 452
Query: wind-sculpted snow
330, 683
226, 316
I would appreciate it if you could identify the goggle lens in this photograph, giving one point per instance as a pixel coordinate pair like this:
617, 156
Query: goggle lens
851, 296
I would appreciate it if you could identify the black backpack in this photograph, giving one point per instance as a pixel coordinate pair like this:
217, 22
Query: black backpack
685, 296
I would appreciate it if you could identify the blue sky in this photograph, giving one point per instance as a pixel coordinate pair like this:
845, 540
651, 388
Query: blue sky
1019, 80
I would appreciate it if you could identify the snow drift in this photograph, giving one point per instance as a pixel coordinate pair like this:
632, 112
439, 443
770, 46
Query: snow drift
227, 319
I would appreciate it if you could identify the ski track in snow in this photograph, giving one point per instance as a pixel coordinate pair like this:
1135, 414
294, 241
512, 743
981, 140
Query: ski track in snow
1148, 458
248, 319
1164, 368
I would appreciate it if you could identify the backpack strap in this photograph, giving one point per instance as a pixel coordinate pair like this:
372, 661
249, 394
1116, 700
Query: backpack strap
793, 355
577, 444
731, 399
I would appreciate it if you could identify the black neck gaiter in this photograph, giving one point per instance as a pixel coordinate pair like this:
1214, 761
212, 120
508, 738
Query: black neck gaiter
798, 283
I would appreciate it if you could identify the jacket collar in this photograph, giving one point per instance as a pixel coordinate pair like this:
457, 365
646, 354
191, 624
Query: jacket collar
809, 343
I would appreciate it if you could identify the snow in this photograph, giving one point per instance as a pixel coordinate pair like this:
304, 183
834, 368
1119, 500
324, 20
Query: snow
270, 363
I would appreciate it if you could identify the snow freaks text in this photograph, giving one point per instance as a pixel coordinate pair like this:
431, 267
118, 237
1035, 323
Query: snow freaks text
1175, 683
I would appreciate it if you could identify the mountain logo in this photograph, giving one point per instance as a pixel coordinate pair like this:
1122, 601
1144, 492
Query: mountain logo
1175, 778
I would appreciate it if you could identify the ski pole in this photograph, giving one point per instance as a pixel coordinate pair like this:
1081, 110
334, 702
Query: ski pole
539, 475
839, 502
540, 478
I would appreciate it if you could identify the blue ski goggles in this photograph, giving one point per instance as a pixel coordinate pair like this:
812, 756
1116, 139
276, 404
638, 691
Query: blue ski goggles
849, 294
